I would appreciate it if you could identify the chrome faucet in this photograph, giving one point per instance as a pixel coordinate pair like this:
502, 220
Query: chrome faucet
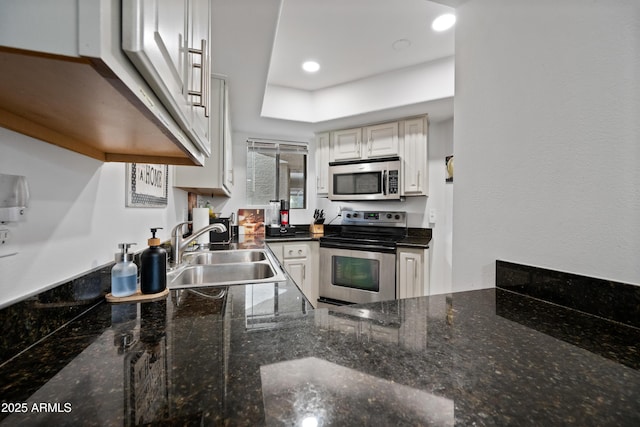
178, 243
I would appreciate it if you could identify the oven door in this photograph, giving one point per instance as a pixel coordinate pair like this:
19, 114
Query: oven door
356, 275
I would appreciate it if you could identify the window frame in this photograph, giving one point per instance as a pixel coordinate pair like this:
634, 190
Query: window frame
279, 147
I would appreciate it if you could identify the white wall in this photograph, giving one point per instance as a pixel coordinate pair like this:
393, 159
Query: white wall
76, 217
547, 138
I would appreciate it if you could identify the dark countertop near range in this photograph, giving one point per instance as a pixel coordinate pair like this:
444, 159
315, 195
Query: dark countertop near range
416, 237
259, 356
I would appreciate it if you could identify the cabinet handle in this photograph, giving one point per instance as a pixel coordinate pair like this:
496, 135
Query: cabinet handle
385, 181
370, 145
304, 272
203, 93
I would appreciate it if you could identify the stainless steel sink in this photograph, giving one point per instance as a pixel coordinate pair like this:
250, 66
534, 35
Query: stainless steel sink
222, 268
225, 257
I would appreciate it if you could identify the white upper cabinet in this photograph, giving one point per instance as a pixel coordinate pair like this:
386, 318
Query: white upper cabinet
413, 153
227, 145
168, 42
216, 177
381, 140
346, 144
322, 164
199, 66
74, 63
369, 142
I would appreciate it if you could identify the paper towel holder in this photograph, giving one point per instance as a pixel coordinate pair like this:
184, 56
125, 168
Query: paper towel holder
14, 197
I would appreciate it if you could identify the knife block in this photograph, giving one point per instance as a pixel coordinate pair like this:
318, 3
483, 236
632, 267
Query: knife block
316, 228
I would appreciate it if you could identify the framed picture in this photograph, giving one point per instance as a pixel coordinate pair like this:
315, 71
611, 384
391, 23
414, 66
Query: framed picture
147, 185
251, 222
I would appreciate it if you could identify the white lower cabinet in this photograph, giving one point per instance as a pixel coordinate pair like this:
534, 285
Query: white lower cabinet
413, 272
300, 260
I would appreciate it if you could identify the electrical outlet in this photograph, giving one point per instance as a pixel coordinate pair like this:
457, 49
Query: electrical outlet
4, 236
432, 216
5, 248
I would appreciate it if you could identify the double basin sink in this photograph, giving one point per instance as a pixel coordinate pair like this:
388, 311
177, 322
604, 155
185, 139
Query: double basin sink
222, 268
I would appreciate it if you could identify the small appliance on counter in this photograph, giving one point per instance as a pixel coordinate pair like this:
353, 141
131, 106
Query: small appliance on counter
284, 213
278, 231
279, 220
223, 238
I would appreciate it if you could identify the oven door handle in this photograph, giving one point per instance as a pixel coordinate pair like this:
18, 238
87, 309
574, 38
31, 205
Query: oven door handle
358, 247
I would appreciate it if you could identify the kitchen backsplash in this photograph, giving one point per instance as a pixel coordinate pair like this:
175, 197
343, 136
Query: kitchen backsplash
28, 321
611, 300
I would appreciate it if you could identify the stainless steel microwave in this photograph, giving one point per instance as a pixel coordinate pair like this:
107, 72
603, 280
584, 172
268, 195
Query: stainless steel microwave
372, 179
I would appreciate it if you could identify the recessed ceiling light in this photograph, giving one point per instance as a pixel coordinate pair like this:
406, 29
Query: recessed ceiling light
310, 66
401, 44
443, 22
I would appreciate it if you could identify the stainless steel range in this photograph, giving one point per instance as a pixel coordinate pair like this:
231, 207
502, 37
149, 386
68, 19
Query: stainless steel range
358, 264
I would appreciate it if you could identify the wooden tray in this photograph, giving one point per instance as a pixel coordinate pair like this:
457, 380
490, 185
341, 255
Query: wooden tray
138, 297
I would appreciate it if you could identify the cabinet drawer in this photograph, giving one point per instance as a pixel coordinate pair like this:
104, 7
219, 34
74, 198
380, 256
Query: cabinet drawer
296, 251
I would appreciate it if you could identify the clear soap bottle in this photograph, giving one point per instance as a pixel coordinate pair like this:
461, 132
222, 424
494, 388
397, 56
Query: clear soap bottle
124, 275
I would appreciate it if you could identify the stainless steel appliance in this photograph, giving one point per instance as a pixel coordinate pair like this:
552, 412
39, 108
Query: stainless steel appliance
279, 220
223, 237
373, 179
359, 262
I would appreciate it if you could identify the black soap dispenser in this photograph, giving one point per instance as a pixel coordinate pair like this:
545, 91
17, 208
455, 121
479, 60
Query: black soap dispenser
153, 266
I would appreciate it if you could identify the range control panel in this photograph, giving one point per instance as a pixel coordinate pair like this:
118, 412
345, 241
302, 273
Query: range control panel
378, 218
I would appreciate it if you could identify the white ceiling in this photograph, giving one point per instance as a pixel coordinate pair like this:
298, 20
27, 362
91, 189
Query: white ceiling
353, 39
257, 43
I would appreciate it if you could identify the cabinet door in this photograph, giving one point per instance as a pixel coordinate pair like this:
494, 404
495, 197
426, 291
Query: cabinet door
322, 164
381, 140
215, 177
198, 66
227, 165
410, 280
415, 170
346, 144
297, 269
300, 261
155, 36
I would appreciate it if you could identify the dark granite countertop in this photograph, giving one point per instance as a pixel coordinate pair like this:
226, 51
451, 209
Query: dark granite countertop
416, 237
258, 356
